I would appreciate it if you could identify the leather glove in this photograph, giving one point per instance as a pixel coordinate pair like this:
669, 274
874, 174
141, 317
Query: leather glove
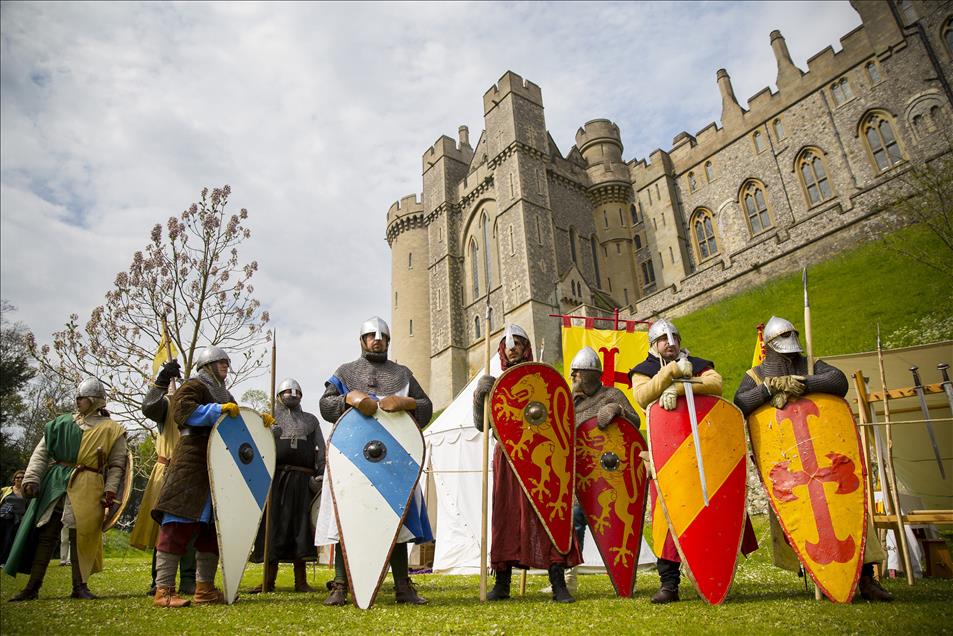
170, 369
268, 420
362, 402
669, 398
779, 400
483, 387
231, 409
794, 385
774, 384
607, 413
675, 369
393, 403
685, 367
109, 498
31, 490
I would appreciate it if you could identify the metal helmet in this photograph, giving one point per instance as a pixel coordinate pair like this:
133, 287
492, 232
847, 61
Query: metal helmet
376, 326
781, 336
586, 360
91, 388
662, 327
513, 330
289, 384
211, 354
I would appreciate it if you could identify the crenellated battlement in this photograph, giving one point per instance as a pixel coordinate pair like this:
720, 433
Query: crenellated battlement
511, 83
447, 147
405, 214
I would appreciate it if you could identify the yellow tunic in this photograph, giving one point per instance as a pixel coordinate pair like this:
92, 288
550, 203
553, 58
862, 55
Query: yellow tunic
146, 530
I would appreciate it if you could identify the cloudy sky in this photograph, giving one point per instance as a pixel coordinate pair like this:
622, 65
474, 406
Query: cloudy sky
116, 115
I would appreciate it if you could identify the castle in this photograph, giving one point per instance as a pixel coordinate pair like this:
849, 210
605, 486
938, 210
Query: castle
796, 175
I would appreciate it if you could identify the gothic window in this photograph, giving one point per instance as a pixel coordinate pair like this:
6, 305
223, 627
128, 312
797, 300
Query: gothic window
476, 326
778, 129
873, 72
475, 268
572, 243
703, 232
755, 205
637, 239
948, 35
634, 212
618, 248
595, 258
692, 183
817, 187
840, 91
881, 142
648, 274
621, 218
572, 284
709, 171
487, 262
758, 139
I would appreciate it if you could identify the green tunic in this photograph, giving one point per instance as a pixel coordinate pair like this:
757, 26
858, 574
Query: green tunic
63, 438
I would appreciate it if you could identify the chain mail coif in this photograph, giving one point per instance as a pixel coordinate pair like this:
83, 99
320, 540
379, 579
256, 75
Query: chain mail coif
215, 387
375, 378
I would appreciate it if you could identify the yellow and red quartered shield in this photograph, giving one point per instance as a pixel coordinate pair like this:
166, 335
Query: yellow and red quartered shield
610, 486
531, 409
707, 538
809, 458
618, 350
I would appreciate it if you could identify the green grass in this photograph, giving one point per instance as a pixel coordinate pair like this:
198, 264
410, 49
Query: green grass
849, 295
763, 600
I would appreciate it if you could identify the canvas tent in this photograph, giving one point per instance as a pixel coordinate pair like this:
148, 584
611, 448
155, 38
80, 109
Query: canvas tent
454, 465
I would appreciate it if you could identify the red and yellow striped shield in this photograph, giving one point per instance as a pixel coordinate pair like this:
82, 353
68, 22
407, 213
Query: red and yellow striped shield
809, 458
707, 538
532, 413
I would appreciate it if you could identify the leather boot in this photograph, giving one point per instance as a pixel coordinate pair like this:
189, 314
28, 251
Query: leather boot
82, 591
26, 594
871, 590
206, 594
338, 595
166, 597
557, 578
406, 592
268, 585
301, 578
501, 588
666, 594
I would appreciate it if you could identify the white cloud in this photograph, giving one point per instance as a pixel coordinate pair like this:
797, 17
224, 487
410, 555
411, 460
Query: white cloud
115, 115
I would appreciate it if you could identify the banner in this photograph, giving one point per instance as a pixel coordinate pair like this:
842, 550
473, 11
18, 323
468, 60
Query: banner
162, 356
618, 350
759, 351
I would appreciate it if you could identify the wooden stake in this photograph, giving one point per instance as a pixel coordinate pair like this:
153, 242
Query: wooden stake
522, 582
891, 475
486, 459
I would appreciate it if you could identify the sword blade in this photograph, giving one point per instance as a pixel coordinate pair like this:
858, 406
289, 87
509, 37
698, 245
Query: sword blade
948, 388
693, 419
929, 424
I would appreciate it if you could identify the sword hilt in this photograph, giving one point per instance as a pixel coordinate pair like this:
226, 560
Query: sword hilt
916, 376
944, 371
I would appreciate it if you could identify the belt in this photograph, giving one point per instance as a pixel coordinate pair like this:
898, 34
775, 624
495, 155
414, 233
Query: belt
300, 469
79, 467
163, 460
187, 431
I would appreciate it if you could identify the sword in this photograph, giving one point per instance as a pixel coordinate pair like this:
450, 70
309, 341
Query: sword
693, 418
947, 385
918, 387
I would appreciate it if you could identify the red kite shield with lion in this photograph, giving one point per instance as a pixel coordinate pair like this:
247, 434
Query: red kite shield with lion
611, 483
532, 412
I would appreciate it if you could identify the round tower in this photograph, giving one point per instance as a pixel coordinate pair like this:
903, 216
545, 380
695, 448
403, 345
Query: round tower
410, 287
610, 191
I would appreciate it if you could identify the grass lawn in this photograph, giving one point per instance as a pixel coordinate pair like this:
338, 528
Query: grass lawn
763, 600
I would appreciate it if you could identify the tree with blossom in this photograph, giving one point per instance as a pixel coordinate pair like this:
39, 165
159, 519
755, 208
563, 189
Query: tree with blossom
189, 273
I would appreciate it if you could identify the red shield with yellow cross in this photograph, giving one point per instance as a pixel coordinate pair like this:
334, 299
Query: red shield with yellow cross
810, 461
707, 537
531, 409
610, 485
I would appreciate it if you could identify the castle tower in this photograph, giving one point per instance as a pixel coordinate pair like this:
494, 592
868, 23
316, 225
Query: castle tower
410, 300
611, 193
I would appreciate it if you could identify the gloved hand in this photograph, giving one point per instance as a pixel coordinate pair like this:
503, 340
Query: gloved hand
607, 413
231, 409
315, 483
268, 420
483, 387
31, 490
393, 403
170, 369
774, 384
669, 398
685, 367
794, 385
362, 402
109, 498
779, 400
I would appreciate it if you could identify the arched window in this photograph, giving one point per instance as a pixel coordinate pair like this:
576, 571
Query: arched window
572, 243
476, 326
948, 36
595, 259
840, 90
758, 139
703, 232
487, 262
755, 205
873, 72
692, 183
810, 166
778, 129
475, 268
709, 171
881, 141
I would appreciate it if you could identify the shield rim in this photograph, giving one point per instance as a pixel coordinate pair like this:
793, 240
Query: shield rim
661, 499
509, 460
863, 482
337, 520
640, 517
128, 478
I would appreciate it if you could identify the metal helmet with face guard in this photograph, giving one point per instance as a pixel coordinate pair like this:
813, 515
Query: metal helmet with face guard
781, 336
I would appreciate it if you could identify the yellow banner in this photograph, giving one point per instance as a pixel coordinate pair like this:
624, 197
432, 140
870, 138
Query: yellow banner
758, 356
618, 350
162, 356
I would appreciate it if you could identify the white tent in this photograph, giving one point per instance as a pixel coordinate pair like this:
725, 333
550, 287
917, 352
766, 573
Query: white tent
455, 452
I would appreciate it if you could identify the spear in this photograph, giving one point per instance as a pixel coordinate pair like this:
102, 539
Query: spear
486, 458
267, 566
808, 339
